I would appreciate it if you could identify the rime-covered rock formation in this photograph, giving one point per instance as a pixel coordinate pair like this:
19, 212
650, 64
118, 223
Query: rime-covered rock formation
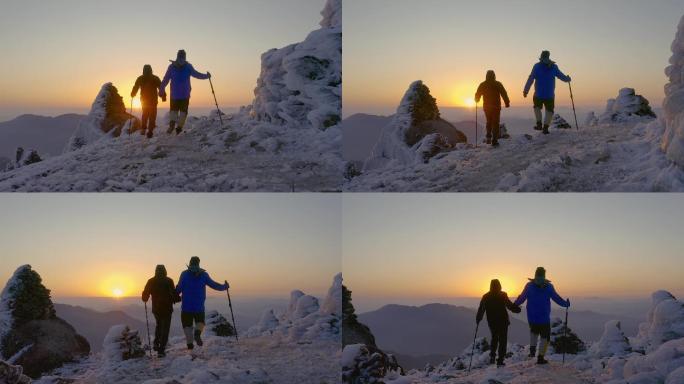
673, 105
613, 341
627, 107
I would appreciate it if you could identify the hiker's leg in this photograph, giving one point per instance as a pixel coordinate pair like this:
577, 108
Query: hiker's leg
153, 117
165, 329
503, 341
534, 336
496, 118
145, 116
158, 328
183, 106
538, 112
545, 339
199, 327
549, 105
490, 116
173, 115
495, 340
186, 321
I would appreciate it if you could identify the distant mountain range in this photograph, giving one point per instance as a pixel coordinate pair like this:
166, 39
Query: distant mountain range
434, 332
47, 135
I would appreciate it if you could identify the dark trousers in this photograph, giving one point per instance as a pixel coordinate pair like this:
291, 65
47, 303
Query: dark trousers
161, 331
499, 341
149, 117
493, 117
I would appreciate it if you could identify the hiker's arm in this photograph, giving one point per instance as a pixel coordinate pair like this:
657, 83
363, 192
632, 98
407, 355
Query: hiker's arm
162, 88
521, 299
135, 87
478, 94
480, 311
512, 307
146, 292
562, 75
504, 96
198, 75
179, 287
528, 85
559, 300
175, 297
214, 285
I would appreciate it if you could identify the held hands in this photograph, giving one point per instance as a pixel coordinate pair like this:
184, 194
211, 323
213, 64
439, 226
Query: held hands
163, 97
516, 309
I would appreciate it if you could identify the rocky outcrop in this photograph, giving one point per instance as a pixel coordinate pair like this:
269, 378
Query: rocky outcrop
664, 322
673, 105
218, 325
565, 340
301, 85
613, 341
107, 118
12, 374
24, 157
353, 332
560, 123
31, 334
416, 133
627, 107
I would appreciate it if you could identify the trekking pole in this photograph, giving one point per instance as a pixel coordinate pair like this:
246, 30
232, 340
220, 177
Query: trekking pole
149, 340
476, 127
230, 305
216, 102
573, 105
473, 350
565, 334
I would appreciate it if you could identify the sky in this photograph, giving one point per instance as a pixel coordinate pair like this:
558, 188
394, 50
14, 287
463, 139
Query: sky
450, 44
90, 245
57, 54
399, 247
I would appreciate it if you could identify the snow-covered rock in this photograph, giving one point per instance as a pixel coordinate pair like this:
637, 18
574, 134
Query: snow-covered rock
664, 322
304, 319
416, 132
560, 123
107, 118
24, 157
31, 334
591, 120
613, 341
121, 343
627, 107
218, 325
673, 105
301, 85
12, 374
365, 364
565, 340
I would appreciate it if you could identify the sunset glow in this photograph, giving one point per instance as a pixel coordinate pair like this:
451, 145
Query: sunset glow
469, 102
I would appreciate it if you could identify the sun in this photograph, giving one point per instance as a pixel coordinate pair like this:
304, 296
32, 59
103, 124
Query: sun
117, 292
469, 102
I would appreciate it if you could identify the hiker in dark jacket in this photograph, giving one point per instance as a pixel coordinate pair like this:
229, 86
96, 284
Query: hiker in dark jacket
149, 86
192, 288
495, 304
539, 292
163, 293
544, 75
492, 91
179, 73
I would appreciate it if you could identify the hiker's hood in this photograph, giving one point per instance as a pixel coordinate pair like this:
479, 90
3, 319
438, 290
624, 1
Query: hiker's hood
495, 286
196, 271
491, 76
160, 271
147, 70
181, 59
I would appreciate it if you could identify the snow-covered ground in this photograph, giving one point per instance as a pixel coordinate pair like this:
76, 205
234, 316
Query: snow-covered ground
612, 157
288, 139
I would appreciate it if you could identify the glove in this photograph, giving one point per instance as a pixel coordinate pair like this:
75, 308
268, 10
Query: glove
568, 303
162, 94
208, 75
516, 309
525, 94
132, 94
227, 285
569, 78
163, 97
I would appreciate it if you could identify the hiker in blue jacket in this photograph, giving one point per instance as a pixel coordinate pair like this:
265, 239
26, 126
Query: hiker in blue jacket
179, 73
192, 288
544, 75
539, 292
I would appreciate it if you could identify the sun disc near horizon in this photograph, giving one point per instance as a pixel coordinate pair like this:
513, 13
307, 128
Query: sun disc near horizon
469, 102
117, 292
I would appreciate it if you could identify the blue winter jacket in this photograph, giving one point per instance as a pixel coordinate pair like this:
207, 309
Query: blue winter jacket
544, 78
539, 302
192, 287
180, 80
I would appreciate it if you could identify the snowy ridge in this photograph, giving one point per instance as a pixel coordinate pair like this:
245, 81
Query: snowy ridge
614, 359
673, 139
305, 318
280, 357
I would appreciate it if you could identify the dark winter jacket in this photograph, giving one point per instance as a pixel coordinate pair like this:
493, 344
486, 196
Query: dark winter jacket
179, 76
544, 76
192, 288
163, 293
149, 87
539, 301
494, 303
492, 91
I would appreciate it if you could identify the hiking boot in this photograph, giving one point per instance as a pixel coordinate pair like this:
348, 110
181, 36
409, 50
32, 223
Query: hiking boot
500, 364
149, 134
495, 144
545, 130
161, 353
489, 140
190, 346
538, 127
198, 337
533, 351
142, 131
179, 130
492, 359
541, 360
172, 126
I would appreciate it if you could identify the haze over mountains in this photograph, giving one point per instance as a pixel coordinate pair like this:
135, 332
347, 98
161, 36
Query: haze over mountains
47, 135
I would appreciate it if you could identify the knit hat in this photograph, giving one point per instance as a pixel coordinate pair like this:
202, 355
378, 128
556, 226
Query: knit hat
180, 56
193, 266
